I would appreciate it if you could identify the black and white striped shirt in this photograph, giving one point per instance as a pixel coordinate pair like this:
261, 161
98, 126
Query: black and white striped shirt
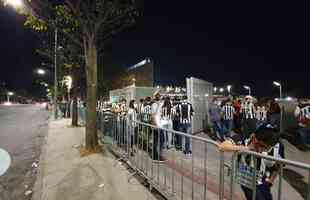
261, 113
185, 112
228, 112
146, 113
302, 112
248, 110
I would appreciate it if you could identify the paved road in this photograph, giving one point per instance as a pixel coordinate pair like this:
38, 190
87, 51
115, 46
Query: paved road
22, 129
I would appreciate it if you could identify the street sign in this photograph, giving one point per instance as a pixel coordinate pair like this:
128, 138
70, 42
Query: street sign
5, 161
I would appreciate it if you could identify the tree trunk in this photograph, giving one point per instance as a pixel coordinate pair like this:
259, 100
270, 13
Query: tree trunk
76, 81
91, 99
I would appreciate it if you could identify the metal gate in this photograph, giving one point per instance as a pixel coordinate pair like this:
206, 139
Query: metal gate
199, 94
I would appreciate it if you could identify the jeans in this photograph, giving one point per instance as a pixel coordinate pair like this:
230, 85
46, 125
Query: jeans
262, 192
217, 127
168, 135
178, 138
158, 144
304, 136
186, 141
259, 123
227, 126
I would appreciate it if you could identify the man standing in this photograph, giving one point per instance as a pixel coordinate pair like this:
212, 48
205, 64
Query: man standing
228, 112
264, 140
158, 136
186, 112
248, 116
215, 118
302, 112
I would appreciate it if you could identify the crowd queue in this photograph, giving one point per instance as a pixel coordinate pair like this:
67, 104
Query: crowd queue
240, 124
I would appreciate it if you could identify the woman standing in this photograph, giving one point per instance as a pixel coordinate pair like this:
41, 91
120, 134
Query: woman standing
132, 125
166, 121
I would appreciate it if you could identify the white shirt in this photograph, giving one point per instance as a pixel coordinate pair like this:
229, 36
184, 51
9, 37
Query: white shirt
156, 112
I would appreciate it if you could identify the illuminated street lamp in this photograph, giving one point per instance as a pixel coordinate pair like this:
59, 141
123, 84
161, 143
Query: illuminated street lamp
18, 5
280, 87
41, 71
14, 3
215, 89
9, 94
247, 88
228, 89
221, 90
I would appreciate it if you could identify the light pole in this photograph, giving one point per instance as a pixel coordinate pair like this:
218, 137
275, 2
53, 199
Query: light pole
247, 88
19, 4
215, 89
9, 94
55, 75
228, 89
278, 84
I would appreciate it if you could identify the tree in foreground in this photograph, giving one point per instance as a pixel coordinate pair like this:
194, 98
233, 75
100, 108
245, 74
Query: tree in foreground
89, 24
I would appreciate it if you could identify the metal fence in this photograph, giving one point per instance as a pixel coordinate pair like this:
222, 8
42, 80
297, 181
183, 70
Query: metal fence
206, 173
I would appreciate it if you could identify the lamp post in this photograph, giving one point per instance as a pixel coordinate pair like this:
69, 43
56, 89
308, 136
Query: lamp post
228, 89
278, 84
19, 4
221, 90
247, 88
215, 89
9, 94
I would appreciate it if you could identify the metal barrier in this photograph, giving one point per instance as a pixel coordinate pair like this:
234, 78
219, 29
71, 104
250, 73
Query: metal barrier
199, 175
204, 174
253, 174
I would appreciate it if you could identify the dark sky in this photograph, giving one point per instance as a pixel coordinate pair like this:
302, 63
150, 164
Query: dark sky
232, 42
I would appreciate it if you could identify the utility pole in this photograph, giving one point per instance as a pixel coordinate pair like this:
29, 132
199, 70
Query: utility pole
55, 76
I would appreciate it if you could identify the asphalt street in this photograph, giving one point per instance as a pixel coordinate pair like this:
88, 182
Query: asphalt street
22, 130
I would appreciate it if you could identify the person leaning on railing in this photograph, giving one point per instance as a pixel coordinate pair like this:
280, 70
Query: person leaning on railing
264, 140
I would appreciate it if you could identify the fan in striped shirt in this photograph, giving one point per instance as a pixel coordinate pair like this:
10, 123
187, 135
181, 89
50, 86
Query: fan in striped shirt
248, 116
260, 115
228, 112
302, 112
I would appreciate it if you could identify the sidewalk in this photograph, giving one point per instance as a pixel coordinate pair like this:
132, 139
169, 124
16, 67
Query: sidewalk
64, 175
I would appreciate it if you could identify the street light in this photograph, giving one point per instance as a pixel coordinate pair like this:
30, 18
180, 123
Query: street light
247, 88
228, 89
19, 4
14, 3
9, 94
41, 71
280, 87
215, 89
221, 90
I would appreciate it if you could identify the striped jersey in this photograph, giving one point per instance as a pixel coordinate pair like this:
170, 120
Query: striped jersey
261, 113
248, 110
146, 112
302, 112
228, 112
185, 112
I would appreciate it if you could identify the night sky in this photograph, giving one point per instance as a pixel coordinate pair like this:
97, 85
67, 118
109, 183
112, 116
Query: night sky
224, 42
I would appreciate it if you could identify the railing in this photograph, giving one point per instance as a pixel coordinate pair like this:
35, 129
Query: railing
205, 174
199, 175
